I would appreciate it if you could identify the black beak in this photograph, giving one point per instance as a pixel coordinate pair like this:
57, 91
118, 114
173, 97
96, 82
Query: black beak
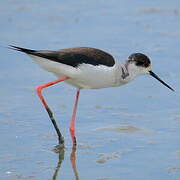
156, 77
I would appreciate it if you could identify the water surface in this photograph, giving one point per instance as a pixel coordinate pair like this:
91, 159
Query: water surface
131, 132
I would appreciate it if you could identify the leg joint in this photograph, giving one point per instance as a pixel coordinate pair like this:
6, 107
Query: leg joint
38, 90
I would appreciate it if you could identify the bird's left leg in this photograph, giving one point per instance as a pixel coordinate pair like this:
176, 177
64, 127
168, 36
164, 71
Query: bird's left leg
39, 92
72, 123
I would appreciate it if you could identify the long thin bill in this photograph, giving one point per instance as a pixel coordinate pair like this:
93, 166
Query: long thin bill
156, 77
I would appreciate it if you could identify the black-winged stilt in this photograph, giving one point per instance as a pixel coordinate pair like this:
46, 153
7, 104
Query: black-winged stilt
87, 68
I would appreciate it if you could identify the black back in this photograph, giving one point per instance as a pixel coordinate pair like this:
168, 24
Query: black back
73, 56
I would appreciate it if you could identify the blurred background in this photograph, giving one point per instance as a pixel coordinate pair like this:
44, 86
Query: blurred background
131, 132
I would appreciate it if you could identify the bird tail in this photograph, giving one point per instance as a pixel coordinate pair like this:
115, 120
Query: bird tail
28, 51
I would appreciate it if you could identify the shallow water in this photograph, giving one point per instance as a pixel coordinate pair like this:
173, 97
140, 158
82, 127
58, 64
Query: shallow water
131, 132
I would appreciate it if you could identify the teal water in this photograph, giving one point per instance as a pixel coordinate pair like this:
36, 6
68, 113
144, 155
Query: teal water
130, 132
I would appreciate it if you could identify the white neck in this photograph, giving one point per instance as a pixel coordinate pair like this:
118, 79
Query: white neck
129, 72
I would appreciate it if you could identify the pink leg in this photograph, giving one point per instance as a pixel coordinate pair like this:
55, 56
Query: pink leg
39, 93
72, 123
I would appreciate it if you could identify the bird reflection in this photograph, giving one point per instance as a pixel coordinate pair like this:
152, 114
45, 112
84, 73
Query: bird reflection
60, 160
61, 153
73, 162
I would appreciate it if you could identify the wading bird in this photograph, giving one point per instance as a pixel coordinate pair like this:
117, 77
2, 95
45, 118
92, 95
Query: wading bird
87, 68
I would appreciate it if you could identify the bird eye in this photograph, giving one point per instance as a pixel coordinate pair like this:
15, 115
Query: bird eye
147, 64
142, 63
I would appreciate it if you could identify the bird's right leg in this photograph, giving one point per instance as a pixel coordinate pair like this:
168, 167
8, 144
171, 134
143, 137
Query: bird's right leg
72, 123
39, 93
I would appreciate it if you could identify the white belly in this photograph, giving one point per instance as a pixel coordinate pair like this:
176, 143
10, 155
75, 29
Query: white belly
85, 76
92, 77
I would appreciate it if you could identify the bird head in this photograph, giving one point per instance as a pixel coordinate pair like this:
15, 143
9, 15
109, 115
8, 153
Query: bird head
139, 64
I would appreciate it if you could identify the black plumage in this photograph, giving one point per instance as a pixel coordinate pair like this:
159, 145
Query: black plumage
73, 56
140, 59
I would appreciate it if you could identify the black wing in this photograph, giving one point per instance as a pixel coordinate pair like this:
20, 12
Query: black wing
73, 56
